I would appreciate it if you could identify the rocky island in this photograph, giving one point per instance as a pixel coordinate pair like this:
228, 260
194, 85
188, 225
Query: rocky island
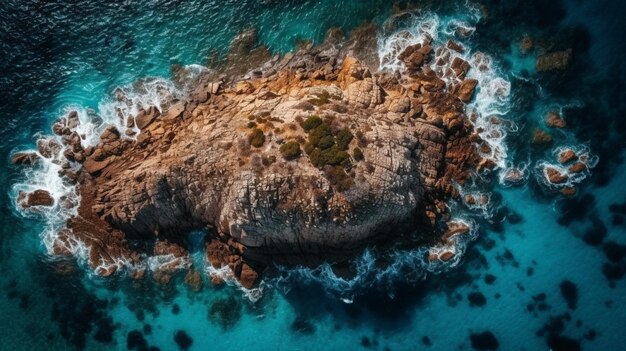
298, 159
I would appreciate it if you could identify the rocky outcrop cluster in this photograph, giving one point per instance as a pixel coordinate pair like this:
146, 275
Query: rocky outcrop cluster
304, 159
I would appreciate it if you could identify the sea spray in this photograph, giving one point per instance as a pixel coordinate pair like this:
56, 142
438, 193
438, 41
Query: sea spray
117, 110
401, 266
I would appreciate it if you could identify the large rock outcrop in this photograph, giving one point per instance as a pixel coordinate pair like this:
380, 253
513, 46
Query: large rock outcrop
304, 159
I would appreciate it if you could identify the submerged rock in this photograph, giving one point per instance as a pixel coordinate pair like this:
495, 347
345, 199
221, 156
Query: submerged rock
554, 61
554, 120
484, 341
541, 138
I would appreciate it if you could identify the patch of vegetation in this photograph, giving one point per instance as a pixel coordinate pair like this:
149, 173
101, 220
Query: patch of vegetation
321, 98
290, 150
251, 125
319, 132
311, 123
358, 155
328, 149
333, 156
308, 148
344, 137
256, 138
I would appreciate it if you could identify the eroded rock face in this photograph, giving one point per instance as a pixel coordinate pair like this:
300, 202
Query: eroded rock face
380, 161
35, 198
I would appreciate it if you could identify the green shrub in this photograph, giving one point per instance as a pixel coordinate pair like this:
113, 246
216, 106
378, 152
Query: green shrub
311, 123
326, 142
344, 137
321, 131
358, 155
290, 150
256, 138
251, 125
316, 158
308, 148
321, 99
335, 157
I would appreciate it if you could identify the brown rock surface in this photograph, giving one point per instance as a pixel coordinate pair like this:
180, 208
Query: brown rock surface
567, 156
569, 191
24, 158
541, 138
555, 176
577, 167
35, 198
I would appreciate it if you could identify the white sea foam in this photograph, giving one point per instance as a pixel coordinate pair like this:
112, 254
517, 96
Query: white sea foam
402, 266
584, 156
115, 110
226, 275
424, 28
514, 174
127, 101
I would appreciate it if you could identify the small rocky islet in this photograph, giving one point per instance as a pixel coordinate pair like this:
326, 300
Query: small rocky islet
305, 159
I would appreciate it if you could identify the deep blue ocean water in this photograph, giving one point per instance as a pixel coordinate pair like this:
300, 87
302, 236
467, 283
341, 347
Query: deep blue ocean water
513, 280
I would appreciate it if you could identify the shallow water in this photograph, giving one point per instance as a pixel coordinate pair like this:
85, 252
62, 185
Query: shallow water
58, 54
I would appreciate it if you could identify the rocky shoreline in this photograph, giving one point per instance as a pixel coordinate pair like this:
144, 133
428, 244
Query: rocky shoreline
307, 158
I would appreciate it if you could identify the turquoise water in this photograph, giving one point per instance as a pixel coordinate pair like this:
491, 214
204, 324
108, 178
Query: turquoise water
76, 54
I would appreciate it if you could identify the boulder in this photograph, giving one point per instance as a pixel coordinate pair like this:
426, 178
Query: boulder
24, 158
554, 120
567, 156
513, 175
248, 276
577, 167
446, 256
145, 118
453, 45
193, 280
526, 45
466, 90
38, 197
555, 176
460, 67
93, 166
